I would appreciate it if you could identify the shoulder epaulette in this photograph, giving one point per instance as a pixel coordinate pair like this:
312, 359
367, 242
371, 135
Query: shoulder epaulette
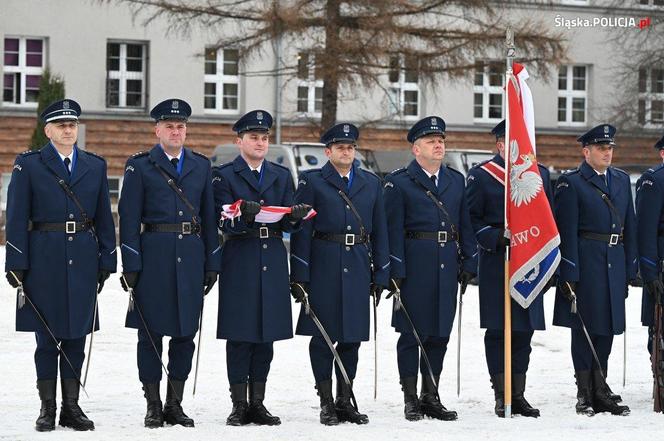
621, 171
570, 172
397, 171
200, 154
276, 164
140, 154
479, 164
656, 169
28, 152
311, 170
95, 155
370, 173
455, 171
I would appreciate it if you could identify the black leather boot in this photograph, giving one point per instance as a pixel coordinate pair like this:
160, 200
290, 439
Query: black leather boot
238, 416
71, 414
498, 385
430, 404
328, 414
46, 420
154, 417
411, 409
602, 401
257, 412
173, 413
520, 406
344, 408
615, 397
584, 393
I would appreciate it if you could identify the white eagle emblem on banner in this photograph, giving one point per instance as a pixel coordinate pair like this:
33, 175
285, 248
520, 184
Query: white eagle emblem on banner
524, 183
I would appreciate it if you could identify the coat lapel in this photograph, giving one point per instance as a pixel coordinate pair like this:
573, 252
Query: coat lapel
416, 171
81, 168
158, 157
269, 176
50, 157
241, 167
331, 175
188, 165
359, 181
591, 176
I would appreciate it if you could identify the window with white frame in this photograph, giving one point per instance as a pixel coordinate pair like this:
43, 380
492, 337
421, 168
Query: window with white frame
572, 95
126, 75
114, 187
651, 97
488, 92
651, 2
24, 61
222, 81
404, 90
309, 86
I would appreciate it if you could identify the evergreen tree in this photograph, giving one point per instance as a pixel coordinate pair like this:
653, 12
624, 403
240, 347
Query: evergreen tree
51, 88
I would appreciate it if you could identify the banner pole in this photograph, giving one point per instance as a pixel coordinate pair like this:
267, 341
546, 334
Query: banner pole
509, 44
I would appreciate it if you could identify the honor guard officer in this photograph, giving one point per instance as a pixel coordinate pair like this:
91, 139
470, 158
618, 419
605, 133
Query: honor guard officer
432, 244
170, 256
486, 198
340, 257
60, 250
254, 302
595, 217
650, 231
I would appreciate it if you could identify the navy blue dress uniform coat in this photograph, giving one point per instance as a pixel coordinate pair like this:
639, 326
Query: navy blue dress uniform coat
430, 268
61, 269
600, 270
650, 234
254, 293
486, 199
171, 266
339, 276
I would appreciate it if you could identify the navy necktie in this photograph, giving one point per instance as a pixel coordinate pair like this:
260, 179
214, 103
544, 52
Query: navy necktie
175, 161
67, 163
433, 179
257, 175
345, 178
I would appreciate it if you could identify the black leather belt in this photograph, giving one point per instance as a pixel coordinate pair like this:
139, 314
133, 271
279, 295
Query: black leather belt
182, 228
261, 233
345, 239
611, 239
437, 236
69, 227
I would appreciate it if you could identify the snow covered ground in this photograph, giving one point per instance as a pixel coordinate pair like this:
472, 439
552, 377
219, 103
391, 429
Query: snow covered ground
117, 406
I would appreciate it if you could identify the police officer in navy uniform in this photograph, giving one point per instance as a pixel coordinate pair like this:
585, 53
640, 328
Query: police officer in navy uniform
170, 256
595, 217
254, 302
650, 231
61, 253
431, 248
340, 258
486, 198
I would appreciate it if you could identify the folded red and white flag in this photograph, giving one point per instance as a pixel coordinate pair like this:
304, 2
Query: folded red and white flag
269, 214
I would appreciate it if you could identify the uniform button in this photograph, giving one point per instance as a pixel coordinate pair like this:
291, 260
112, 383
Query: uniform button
71, 262
71, 216
264, 268
442, 244
264, 246
179, 260
180, 213
347, 248
262, 201
70, 238
613, 225
348, 227
345, 270
347, 207
609, 265
179, 236
442, 266
442, 224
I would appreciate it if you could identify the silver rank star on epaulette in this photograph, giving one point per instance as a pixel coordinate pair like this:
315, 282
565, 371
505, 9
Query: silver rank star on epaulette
130, 168
562, 184
388, 184
18, 167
